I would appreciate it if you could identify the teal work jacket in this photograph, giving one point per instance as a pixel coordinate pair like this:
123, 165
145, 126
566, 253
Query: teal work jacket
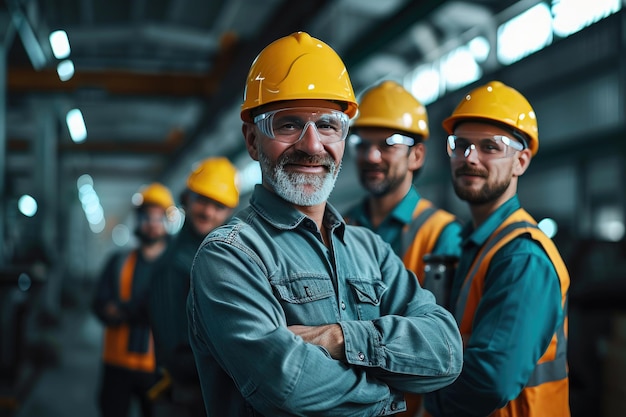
267, 269
519, 312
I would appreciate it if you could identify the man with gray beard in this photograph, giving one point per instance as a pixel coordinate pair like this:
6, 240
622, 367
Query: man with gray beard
291, 311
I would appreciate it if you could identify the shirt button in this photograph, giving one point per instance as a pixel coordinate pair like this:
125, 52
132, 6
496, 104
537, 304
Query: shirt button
343, 305
394, 406
361, 356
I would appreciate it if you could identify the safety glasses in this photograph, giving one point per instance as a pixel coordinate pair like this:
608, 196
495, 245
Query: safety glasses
290, 124
494, 147
386, 146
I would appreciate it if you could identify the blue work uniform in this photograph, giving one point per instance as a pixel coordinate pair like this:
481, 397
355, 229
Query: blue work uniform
269, 268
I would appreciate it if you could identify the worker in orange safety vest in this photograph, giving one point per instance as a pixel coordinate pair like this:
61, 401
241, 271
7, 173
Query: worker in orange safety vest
509, 295
120, 303
387, 139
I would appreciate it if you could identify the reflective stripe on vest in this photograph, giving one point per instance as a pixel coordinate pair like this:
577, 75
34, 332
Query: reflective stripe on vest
552, 366
420, 236
127, 347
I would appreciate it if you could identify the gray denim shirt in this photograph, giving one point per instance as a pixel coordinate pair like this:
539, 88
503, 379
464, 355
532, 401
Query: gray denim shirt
269, 268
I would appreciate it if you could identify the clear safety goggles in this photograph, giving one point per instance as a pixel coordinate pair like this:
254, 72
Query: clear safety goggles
143, 217
494, 147
386, 146
289, 125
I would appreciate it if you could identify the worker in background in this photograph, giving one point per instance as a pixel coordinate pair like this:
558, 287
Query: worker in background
292, 312
388, 139
120, 302
510, 290
209, 198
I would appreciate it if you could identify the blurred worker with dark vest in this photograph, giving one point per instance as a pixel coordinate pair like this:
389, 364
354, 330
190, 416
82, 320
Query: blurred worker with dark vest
388, 142
510, 290
121, 304
210, 196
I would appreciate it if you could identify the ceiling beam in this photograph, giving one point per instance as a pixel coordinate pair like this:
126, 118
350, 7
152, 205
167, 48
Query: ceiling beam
116, 82
102, 146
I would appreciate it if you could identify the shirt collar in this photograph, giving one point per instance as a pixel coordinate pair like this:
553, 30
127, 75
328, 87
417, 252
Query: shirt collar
480, 235
403, 212
282, 215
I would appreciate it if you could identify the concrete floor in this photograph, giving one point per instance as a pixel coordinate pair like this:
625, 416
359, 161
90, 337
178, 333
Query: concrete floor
70, 387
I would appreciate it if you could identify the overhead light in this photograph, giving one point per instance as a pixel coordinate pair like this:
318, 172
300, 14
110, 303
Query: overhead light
27, 205
248, 177
120, 234
60, 44
65, 70
137, 199
480, 48
425, 83
459, 68
524, 34
571, 16
548, 226
608, 223
91, 203
76, 125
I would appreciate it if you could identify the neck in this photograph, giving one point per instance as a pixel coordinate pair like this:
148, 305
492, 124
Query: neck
151, 252
380, 206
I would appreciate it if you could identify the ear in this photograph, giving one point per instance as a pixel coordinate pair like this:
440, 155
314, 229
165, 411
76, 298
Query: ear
522, 161
250, 136
417, 156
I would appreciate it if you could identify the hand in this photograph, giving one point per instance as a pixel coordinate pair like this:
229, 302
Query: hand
112, 311
329, 336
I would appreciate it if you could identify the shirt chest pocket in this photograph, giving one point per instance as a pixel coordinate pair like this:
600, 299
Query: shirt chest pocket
307, 298
367, 295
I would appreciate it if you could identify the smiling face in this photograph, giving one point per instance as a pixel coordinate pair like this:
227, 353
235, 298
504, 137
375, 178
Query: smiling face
385, 168
304, 172
480, 179
205, 214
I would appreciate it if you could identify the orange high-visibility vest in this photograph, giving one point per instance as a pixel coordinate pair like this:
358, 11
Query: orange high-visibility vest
547, 390
117, 338
419, 238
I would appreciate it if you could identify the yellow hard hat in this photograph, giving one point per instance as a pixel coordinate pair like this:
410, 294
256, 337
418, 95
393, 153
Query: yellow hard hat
156, 194
389, 105
500, 103
297, 67
215, 178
